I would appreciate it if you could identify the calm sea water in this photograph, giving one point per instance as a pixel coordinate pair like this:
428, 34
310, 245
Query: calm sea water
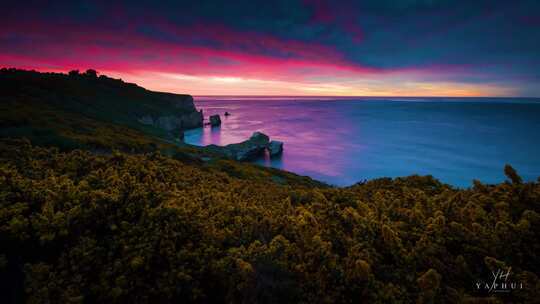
346, 140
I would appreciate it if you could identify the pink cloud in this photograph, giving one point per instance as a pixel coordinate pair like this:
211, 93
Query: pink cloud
228, 62
245, 54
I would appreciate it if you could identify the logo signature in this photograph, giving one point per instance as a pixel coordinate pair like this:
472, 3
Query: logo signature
500, 282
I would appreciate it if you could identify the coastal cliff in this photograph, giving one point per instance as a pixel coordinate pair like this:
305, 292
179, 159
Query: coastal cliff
59, 103
184, 117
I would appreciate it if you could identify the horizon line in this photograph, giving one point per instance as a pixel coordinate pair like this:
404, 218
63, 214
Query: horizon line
365, 96
66, 73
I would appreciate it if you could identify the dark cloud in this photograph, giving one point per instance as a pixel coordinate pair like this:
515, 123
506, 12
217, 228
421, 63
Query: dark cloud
498, 39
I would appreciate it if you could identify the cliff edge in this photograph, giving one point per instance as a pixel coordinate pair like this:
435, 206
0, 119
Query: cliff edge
43, 98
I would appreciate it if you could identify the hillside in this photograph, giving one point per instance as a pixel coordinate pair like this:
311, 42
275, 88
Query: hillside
83, 228
70, 109
101, 114
96, 207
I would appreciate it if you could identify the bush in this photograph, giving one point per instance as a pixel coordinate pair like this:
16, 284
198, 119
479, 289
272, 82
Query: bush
81, 227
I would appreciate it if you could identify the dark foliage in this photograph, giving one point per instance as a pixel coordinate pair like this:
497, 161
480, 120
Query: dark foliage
70, 107
81, 227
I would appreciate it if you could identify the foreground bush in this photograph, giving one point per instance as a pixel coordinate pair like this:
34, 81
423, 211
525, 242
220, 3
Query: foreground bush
79, 227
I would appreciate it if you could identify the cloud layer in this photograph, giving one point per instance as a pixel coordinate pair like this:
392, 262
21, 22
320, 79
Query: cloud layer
407, 47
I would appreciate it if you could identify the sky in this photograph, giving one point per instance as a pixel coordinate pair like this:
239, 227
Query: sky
285, 47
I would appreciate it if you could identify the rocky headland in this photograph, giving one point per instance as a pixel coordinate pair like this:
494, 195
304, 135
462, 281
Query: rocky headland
84, 96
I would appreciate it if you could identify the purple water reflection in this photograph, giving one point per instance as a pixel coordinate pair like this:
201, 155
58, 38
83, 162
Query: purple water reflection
342, 141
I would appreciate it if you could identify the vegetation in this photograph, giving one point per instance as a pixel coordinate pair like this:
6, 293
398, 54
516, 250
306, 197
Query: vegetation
104, 212
83, 110
99, 114
81, 227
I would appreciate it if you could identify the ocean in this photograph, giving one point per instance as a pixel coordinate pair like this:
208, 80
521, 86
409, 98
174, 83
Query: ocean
342, 141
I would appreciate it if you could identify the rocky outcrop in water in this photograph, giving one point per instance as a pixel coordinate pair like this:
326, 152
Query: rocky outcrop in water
247, 150
215, 120
250, 149
275, 148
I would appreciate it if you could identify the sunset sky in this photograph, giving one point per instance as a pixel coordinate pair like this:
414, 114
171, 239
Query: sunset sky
358, 48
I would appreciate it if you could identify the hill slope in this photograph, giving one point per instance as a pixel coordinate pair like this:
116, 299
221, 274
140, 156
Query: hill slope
70, 108
101, 114
79, 227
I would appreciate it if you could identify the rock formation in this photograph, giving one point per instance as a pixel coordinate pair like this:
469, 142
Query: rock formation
104, 99
215, 120
275, 148
183, 115
247, 150
250, 149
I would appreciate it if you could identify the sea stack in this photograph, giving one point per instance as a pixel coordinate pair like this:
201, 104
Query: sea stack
275, 148
215, 120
